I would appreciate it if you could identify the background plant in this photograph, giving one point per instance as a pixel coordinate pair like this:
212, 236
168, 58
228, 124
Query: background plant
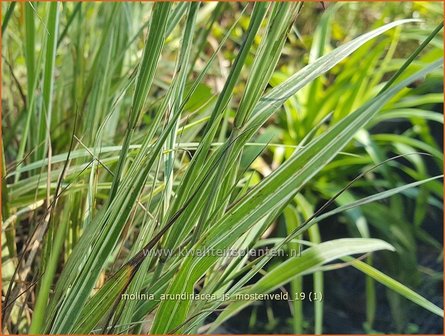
131, 127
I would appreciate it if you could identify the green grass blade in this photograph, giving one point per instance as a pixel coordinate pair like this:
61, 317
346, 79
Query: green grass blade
48, 79
309, 260
69, 22
101, 303
8, 15
395, 286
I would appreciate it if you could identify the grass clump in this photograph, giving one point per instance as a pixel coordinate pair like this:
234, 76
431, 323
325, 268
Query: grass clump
141, 142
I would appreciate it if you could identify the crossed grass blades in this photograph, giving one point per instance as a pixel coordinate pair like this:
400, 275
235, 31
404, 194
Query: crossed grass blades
123, 152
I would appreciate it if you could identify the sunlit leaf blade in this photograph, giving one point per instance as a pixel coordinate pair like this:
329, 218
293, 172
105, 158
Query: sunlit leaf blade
396, 286
306, 263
